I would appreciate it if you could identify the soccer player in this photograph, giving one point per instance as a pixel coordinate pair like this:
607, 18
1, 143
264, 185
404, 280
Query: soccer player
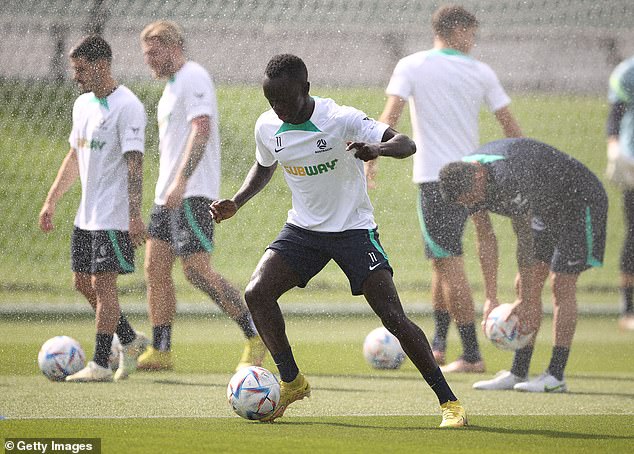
189, 178
446, 88
620, 130
321, 147
558, 209
106, 152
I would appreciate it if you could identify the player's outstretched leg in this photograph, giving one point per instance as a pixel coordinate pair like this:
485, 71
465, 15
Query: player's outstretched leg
381, 294
200, 273
271, 279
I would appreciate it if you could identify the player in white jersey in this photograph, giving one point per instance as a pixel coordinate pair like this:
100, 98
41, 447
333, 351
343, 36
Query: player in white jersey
321, 147
189, 179
106, 153
446, 88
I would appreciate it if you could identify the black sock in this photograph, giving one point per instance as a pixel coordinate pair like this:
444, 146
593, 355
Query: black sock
246, 325
124, 331
162, 338
522, 361
439, 385
626, 300
441, 322
558, 362
103, 344
469, 343
286, 364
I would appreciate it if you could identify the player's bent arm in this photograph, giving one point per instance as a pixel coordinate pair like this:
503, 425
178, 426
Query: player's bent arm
135, 195
66, 175
390, 116
393, 144
509, 124
487, 247
396, 145
257, 178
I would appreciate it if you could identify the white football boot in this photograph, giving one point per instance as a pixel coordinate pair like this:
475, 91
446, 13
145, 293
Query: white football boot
92, 372
129, 356
545, 383
503, 380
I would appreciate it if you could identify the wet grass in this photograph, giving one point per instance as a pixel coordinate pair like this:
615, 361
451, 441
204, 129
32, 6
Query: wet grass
353, 408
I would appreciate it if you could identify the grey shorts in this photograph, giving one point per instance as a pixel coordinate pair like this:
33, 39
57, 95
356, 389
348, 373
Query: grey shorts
101, 251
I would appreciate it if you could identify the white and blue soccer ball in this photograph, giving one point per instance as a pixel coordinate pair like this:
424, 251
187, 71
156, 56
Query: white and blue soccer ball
382, 350
503, 330
60, 357
253, 392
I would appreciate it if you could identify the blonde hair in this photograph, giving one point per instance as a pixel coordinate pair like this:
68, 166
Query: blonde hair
166, 32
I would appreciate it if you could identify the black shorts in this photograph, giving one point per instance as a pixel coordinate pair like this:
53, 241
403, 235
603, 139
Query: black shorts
442, 224
357, 252
101, 251
188, 229
574, 244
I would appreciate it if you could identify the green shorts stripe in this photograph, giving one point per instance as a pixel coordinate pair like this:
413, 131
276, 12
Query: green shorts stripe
376, 244
590, 259
191, 220
125, 266
436, 250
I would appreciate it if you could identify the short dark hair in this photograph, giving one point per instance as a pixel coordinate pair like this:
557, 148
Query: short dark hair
92, 48
456, 179
286, 65
447, 18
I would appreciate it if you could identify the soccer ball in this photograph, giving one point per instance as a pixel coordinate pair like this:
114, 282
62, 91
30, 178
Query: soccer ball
253, 392
383, 350
504, 330
59, 357
113, 359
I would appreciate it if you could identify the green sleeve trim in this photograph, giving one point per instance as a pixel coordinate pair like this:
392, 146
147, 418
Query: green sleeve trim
125, 266
483, 158
191, 220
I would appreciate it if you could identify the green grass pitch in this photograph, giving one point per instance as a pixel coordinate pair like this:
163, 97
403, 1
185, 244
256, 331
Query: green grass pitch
353, 407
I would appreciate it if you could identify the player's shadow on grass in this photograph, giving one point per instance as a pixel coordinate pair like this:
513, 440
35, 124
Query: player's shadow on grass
470, 428
167, 381
547, 433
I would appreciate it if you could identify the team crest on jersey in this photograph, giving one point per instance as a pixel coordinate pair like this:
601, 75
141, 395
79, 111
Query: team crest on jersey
322, 146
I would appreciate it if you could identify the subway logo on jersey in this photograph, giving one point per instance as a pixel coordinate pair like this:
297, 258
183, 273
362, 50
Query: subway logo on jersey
309, 171
93, 144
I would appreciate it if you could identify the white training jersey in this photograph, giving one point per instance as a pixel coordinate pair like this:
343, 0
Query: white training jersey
446, 90
327, 182
104, 129
189, 94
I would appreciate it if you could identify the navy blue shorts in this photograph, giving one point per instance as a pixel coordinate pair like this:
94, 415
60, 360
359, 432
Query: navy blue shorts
189, 229
575, 243
357, 252
442, 224
101, 251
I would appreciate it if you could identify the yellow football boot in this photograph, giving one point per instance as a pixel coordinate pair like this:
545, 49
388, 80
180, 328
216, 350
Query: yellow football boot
154, 359
289, 393
253, 353
453, 414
